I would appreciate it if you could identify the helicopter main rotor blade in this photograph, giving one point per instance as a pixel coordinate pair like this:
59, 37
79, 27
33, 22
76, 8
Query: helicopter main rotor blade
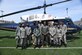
38, 7
57, 3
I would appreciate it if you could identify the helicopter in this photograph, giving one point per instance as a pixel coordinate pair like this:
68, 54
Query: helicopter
72, 28
35, 18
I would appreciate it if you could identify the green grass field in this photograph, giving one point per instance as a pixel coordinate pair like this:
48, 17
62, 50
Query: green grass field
40, 52
7, 39
6, 33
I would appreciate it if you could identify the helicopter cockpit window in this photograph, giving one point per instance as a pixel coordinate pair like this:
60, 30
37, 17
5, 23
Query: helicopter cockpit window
69, 22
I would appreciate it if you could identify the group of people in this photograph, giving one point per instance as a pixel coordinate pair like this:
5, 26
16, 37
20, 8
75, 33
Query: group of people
44, 34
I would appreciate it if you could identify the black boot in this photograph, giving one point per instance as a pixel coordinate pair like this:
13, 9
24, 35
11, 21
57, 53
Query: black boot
65, 45
35, 46
17, 46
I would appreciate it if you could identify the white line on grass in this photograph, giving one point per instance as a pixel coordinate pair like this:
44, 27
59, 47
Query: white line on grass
44, 48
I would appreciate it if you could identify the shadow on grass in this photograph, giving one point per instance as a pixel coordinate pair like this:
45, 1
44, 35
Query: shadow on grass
9, 37
72, 38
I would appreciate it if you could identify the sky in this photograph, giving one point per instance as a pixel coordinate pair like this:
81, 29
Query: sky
59, 10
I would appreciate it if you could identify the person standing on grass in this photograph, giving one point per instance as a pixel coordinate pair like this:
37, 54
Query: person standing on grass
59, 36
45, 34
33, 36
18, 35
23, 36
28, 34
40, 25
52, 32
64, 30
37, 35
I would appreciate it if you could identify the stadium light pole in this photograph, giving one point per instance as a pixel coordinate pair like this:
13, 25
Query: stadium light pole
2, 13
67, 11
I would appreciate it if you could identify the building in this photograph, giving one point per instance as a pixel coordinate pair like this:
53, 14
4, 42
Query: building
4, 21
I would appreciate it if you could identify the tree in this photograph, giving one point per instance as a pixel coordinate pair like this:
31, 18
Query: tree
81, 19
